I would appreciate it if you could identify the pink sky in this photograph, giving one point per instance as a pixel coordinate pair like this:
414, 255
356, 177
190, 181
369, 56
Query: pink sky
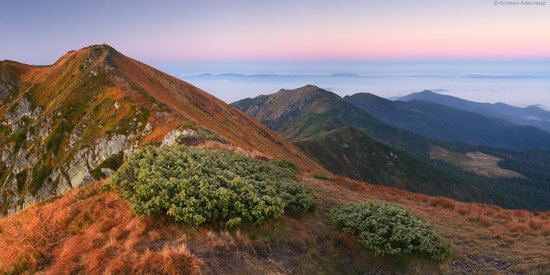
271, 30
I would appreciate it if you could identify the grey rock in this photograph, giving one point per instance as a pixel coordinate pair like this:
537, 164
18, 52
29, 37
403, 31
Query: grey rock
107, 172
63, 184
108, 147
23, 109
22, 161
45, 130
147, 129
78, 172
7, 85
173, 136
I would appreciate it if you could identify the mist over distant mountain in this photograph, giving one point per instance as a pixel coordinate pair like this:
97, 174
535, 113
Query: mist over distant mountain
517, 88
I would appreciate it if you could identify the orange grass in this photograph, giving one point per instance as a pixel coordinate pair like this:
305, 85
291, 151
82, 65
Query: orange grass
90, 232
476, 231
443, 203
93, 234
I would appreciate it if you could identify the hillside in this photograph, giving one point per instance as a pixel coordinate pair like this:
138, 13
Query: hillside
72, 122
309, 115
89, 232
349, 151
306, 111
68, 127
450, 124
532, 115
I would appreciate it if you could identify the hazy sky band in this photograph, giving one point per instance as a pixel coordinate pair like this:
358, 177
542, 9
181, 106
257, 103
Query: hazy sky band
38, 32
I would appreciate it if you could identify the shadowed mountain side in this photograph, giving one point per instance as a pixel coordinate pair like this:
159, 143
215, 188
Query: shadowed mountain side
449, 124
532, 115
307, 116
309, 110
350, 152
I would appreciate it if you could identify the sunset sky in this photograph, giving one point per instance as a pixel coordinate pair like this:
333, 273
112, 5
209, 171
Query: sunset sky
382, 37
173, 31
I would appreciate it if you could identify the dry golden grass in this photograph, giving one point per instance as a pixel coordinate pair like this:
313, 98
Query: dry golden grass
478, 233
91, 233
202, 108
475, 162
443, 203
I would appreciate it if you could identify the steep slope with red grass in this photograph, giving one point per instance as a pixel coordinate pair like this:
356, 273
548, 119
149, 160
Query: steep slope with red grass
90, 233
182, 98
72, 123
205, 109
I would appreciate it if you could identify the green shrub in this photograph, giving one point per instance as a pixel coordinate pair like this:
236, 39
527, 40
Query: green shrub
286, 164
18, 139
40, 174
321, 176
55, 138
389, 229
113, 162
196, 186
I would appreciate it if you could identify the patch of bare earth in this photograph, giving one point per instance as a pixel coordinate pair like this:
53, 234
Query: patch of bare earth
476, 162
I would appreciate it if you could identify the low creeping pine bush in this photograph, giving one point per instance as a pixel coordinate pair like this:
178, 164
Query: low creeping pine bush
197, 185
390, 229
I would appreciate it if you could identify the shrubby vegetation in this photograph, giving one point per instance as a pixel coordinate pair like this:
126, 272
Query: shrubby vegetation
197, 186
321, 176
389, 229
286, 164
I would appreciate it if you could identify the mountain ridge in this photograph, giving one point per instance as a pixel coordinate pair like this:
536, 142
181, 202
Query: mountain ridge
305, 120
63, 124
445, 123
531, 116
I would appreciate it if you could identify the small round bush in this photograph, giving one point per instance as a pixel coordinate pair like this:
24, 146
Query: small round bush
196, 186
287, 164
389, 229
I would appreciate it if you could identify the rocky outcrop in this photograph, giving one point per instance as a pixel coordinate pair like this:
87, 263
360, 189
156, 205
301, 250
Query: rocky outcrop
77, 172
173, 136
7, 82
80, 169
6, 87
22, 109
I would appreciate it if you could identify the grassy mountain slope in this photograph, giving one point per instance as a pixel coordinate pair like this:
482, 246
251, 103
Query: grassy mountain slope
309, 110
309, 115
349, 151
90, 232
532, 115
71, 123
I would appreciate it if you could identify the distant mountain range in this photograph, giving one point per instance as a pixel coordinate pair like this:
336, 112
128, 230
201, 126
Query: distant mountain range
322, 124
449, 124
531, 115
419, 146
371, 75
